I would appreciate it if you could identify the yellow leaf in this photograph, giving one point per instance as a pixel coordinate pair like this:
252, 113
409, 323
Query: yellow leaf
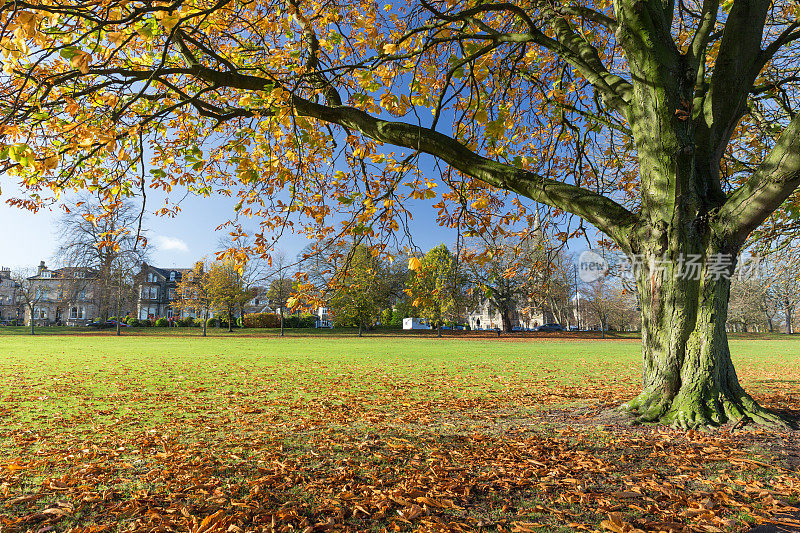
116, 37
80, 61
414, 264
169, 21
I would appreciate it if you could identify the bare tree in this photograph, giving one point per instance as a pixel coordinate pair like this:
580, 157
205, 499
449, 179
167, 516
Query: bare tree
108, 240
29, 292
746, 305
778, 273
605, 299
280, 283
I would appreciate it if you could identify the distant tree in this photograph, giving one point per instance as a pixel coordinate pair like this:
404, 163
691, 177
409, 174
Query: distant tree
556, 283
782, 281
28, 292
402, 309
254, 268
607, 298
516, 277
360, 289
224, 286
106, 239
281, 284
439, 286
386, 316
192, 294
746, 305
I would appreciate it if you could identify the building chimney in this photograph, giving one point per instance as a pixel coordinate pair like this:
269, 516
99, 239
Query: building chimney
41, 268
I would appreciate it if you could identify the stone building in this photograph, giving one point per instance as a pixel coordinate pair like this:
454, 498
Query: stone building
64, 296
10, 307
156, 288
484, 317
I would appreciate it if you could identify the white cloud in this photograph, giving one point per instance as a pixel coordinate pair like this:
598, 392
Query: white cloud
164, 243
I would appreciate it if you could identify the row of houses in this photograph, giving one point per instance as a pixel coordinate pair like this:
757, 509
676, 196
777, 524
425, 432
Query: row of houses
75, 296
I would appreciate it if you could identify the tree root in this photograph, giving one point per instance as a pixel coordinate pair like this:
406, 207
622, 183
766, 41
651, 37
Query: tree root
697, 410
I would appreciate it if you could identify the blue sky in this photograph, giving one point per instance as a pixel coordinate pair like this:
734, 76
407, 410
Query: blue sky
27, 238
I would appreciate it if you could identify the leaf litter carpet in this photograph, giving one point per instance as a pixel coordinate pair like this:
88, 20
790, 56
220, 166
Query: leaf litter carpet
520, 457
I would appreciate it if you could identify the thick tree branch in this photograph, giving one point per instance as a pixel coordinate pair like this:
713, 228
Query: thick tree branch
607, 215
568, 44
708, 19
769, 186
734, 73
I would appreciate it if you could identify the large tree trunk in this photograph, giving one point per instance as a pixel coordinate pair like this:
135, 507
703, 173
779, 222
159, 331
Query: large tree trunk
688, 376
506, 319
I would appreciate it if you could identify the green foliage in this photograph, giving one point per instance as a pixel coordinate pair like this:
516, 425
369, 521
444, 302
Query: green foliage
386, 317
362, 287
402, 309
133, 322
212, 322
145, 323
185, 322
438, 288
304, 320
162, 322
262, 320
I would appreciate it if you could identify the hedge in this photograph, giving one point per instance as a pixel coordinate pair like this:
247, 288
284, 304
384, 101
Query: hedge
262, 320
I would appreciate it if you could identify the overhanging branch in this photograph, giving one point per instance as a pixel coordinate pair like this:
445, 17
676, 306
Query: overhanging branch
769, 186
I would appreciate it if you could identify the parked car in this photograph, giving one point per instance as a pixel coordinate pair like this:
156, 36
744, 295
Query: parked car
550, 327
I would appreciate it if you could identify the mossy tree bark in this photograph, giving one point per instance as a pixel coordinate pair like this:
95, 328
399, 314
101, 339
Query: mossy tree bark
688, 377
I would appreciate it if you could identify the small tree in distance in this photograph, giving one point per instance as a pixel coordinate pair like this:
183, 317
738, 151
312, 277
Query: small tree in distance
280, 285
360, 289
224, 287
191, 294
438, 287
28, 292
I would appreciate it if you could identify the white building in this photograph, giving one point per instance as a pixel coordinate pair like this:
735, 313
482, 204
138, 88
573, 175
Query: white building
415, 323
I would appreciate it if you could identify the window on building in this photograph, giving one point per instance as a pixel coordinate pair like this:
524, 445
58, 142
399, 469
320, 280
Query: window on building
153, 293
172, 276
41, 293
77, 312
40, 313
151, 277
172, 294
80, 274
46, 274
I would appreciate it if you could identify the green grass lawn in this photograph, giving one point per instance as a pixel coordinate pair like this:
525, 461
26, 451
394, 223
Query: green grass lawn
342, 410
